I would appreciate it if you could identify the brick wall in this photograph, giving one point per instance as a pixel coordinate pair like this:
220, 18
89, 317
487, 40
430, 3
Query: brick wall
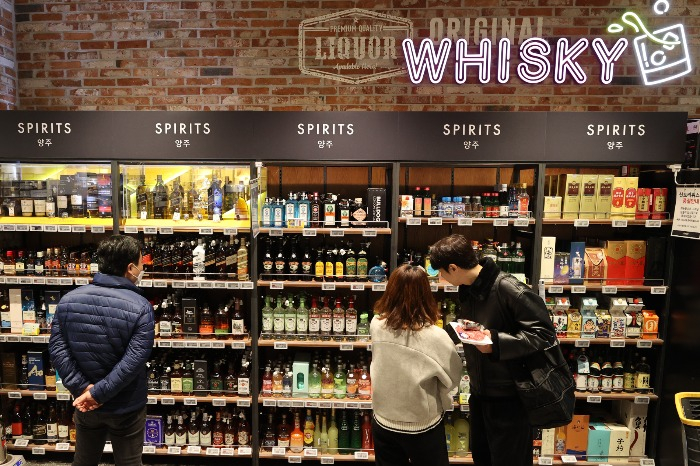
8, 68
242, 55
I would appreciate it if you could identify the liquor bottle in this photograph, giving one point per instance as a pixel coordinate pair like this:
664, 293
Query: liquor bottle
350, 263
62, 198
278, 214
339, 320
365, 384
217, 435
560, 440
302, 319
244, 378
503, 258
193, 202
176, 201
461, 427
333, 435
27, 424
315, 381
278, 319
238, 329
290, 318
221, 322
243, 261
215, 199
327, 382
296, 438
582, 371
450, 436
243, 430
314, 320
169, 432
343, 213
220, 260
358, 213
9, 263
267, 319
330, 265
230, 433
363, 328
277, 376
306, 264
367, 441
351, 319
16, 422
268, 262
293, 263
319, 266
606, 377
642, 376
232, 258
51, 201
362, 263
356, 433
427, 202
340, 381
303, 210
329, 210
317, 431
629, 375
188, 378
326, 320
206, 322
193, 430
291, 210
594, 377
339, 274
142, 199
323, 439
180, 432
24, 373
283, 434
316, 219
63, 425
287, 379
231, 381
165, 381
308, 430
269, 439
377, 274
523, 201
20, 264
160, 199
216, 382
351, 382
165, 321
176, 378
229, 196
266, 213
39, 432
205, 439
618, 377
517, 259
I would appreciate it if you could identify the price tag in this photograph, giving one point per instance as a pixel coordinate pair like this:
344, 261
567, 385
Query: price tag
233, 286
279, 451
328, 287
582, 223
178, 344
413, 221
568, 459
206, 231
280, 345
24, 228
164, 343
97, 229
151, 400
346, 347
214, 344
12, 280
311, 452
39, 396
245, 451
339, 405
174, 450
435, 221
39, 281
276, 285
108, 448
207, 285
38, 451
617, 343
13, 339
178, 284
22, 442
578, 289
451, 289
78, 229
619, 223
544, 461
37, 228
311, 404
379, 287
15, 395
63, 446
352, 405
2, 280
644, 343
652, 224
131, 230
521, 222
583, 343
361, 455
647, 462
160, 284
219, 285
500, 222
324, 404
190, 401
66, 281
594, 399
9, 227
51, 228
337, 233
165, 230
309, 232
434, 288
25, 339
284, 403
52, 281
365, 405
465, 222
556, 289
63, 396
369, 233
146, 284
213, 451
194, 449
168, 400
276, 232
3, 338
658, 289
297, 404
464, 408
150, 230
218, 402
357, 287
238, 345
641, 400
245, 402
246, 285
227, 451
81, 281
327, 460
609, 290
191, 284
231, 231
269, 402
25, 280
294, 459
149, 450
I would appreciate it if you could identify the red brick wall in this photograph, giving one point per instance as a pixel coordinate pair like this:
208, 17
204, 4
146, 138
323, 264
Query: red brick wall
242, 55
8, 67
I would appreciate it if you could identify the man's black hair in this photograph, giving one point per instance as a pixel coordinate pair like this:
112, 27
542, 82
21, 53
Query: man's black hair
454, 249
115, 253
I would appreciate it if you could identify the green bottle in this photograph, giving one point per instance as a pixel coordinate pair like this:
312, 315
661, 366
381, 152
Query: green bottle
315, 382
267, 319
344, 434
340, 381
290, 319
278, 319
356, 433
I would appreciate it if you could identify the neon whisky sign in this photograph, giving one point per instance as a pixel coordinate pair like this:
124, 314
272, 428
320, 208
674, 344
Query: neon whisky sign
662, 55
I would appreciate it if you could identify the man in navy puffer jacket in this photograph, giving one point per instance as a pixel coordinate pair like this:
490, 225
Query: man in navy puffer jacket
101, 338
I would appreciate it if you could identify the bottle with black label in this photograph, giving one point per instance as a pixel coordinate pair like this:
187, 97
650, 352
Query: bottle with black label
316, 212
160, 199
358, 213
306, 264
294, 262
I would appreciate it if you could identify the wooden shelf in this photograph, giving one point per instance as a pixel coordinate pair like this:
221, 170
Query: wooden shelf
327, 231
355, 403
458, 221
157, 451
40, 394
600, 287
185, 226
345, 344
201, 343
327, 286
601, 221
336, 457
606, 341
55, 224
616, 396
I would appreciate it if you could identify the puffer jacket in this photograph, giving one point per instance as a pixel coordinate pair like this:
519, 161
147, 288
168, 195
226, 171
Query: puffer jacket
102, 334
497, 310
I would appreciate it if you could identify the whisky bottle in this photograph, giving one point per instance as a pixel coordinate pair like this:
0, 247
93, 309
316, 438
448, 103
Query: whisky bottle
283, 435
267, 319
176, 201
142, 198
205, 431
243, 430
180, 432
229, 196
193, 202
296, 441
193, 430
160, 199
316, 212
238, 329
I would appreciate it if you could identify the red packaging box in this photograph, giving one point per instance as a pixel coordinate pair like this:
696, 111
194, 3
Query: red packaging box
635, 261
644, 203
616, 255
658, 204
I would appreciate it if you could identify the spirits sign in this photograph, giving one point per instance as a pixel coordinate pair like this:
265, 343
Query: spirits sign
353, 46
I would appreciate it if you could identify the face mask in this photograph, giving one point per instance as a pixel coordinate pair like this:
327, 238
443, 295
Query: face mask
137, 277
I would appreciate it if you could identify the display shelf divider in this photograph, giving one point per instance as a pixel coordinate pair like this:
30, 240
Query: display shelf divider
116, 204
536, 262
255, 329
394, 214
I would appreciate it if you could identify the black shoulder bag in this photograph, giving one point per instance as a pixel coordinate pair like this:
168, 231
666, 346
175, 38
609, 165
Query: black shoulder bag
544, 383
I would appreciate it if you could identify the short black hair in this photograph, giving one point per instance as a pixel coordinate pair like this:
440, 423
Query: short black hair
453, 249
115, 253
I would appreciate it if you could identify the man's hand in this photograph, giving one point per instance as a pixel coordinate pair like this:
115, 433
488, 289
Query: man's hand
86, 402
486, 349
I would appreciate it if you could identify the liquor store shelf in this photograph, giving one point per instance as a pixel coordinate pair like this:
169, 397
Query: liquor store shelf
201, 343
158, 451
151, 226
326, 231
325, 286
326, 403
56, 224
613, 342
598, 221
146, 283
469, 221
343, 345
216, 400
605, 289
639, 398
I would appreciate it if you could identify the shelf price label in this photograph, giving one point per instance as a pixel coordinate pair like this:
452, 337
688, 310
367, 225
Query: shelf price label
66, 281
53, 228
346, 347
327, 460
231, 231
206, 231
81, 281
328, 287
233, 286
63, 396
578, 289
174, 450
9, 227
212, 451
194, 449
38, 451
619, 223
309, 232
294, 459
78, 229
465, 222
191, 284
311, 404
22, 442
15, 395
311, 452
297, 404
437, 221
451, 289
647, 462
568, 459
150, 230
361, 455
227, 451
168, 400
238, 345
556, 289
276, 285
206, 284
279, 451
369, 233
644, 343
357, 287
652, 224
213, 344
582, 223
544, 461
151, 401
219, 285
352, 405
190, 401
63, 446
337, 233
413, 221
594, 399
276, 232
434, 288
379, 287
281, 345
641, 400
269, 402
500, 222
365, 405
131, 230
24, 228
165, 230
12, 280
245, 451
97, 229
246, 285
218, 402
179, 284
659, 289
39, 396
27, 280
583, 343
609, 290
325, 404
521, 222
617, 343
339, 405
284, 403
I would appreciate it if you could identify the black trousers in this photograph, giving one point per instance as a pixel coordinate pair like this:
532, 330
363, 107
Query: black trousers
500, 433
124, 430
399, 449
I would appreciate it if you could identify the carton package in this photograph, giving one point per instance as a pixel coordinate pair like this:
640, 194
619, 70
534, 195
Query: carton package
406, 205
659, 198
577, 261
35, 371
598, 441
570, 188
587, 203
552, 207
574, 320
201, 380
633, 318
596, 266
603, 323
634, 417
650, 325
635, 262
28, 307
616, 256
561, 268
547, 263
15, 310
376, 205
190, 320
547, 442
153, 433
655, 261
300, 369
577, 436
644, 203
619, 447
560, 322
9, 370
589, 323
51, 299
5, 316
618, 320
617, 201
604, 196
631, 183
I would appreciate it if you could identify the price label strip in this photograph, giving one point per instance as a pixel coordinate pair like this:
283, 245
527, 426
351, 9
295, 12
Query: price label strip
245, 451
149, 450
521, 222
596, 399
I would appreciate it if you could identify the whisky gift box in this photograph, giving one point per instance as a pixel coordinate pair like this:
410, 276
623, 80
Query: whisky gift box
547, 262
596, 266
570, 187
617, 201
153, 433
15, 310
28, 307
5, 322
51, 299
376, 205
9, 370
603, 196
35, 373
190, 317
635, 261
577, 435
655, 261
587, 203
616, 255
619, 447
577, 269
201, 380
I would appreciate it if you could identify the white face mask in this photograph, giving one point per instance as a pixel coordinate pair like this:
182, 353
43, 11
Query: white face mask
137, 277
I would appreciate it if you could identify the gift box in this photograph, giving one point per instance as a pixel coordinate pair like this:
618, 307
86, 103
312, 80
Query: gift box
598, 441
587, 202
577, 436
616, 257
635, 262
631, 183
570, 187
577, 268
596, 266
604, 196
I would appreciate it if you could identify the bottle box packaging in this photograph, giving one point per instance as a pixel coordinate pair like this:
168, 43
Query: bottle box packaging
587, 203
190, 321
406, 205
598, 441
596, 266
153, 433
376, 204
561, 268
28, 307
650, 325
35, 372
603, 196
9, 370
547, 442
619, 441
300, 370
574, 320
602, 323
659, 198
634, 417
201, 379
631, 184
570, 187
577, 263
51, 299
577, 435
617, 201
635, 262
15, 310
616, 254
552, 198
547, 263
644, 204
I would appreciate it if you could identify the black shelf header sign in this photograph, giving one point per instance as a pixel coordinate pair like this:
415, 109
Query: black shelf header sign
470, 137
